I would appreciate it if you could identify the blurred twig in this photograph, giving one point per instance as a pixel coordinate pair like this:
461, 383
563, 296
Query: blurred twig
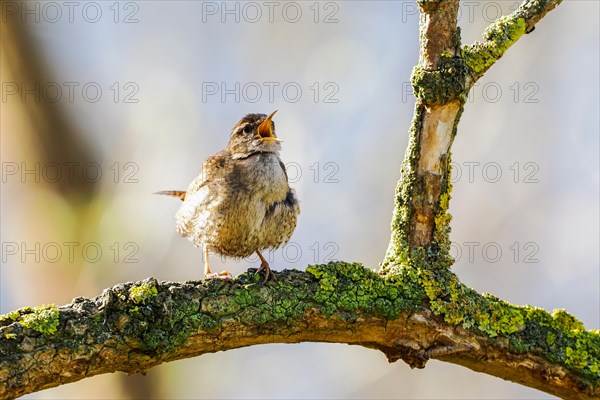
58, 139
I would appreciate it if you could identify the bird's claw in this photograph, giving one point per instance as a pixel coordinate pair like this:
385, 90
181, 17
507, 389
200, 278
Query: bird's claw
224, 275
268, 273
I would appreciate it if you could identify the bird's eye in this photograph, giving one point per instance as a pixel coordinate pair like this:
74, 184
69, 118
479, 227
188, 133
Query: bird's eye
247, 128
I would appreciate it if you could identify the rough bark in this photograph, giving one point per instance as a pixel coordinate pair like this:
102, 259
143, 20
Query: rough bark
415, 309
135, 326
441, 83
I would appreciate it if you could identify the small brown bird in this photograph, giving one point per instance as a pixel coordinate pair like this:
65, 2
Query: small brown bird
241, 202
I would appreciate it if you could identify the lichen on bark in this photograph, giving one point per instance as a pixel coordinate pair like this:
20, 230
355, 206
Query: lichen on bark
414, 309
115, 332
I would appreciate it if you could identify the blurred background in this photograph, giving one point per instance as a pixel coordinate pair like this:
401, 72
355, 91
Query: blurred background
104, 103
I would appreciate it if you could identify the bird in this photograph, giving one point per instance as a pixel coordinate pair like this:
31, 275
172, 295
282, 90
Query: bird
241, 202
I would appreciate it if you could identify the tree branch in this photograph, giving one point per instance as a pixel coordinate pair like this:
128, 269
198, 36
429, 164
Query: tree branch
502, 34
441, 83
415, 310
135, 326
420, 224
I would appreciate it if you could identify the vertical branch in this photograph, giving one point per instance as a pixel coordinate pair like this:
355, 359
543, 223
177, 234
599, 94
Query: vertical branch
441, 81
420, 224
437, 30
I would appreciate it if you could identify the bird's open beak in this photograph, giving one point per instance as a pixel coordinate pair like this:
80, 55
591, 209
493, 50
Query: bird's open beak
265, 129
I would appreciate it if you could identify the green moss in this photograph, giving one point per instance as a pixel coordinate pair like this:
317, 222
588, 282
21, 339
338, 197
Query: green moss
203, 321
441, 235
577, 358
400, 253
559, 336
175, 314
479, 57
222, 305
12, 316
43, 319
167, 318
446, 82
502, 317
584, 354
441, 85
142, 293
564, 320
550, 338
350, 287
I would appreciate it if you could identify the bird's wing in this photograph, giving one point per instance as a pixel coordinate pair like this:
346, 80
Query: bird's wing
210, 171
284, 170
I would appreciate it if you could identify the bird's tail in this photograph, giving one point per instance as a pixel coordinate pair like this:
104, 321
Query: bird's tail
175, 193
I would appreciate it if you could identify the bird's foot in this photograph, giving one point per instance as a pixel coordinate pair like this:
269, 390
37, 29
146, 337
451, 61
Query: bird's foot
264, 266
225, 275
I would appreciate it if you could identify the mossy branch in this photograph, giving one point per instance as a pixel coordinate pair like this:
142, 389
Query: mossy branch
441, 83
502, 34
417, 316
415, 310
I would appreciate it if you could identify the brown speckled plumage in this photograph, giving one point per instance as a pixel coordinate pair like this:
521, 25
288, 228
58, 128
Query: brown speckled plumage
241, 202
